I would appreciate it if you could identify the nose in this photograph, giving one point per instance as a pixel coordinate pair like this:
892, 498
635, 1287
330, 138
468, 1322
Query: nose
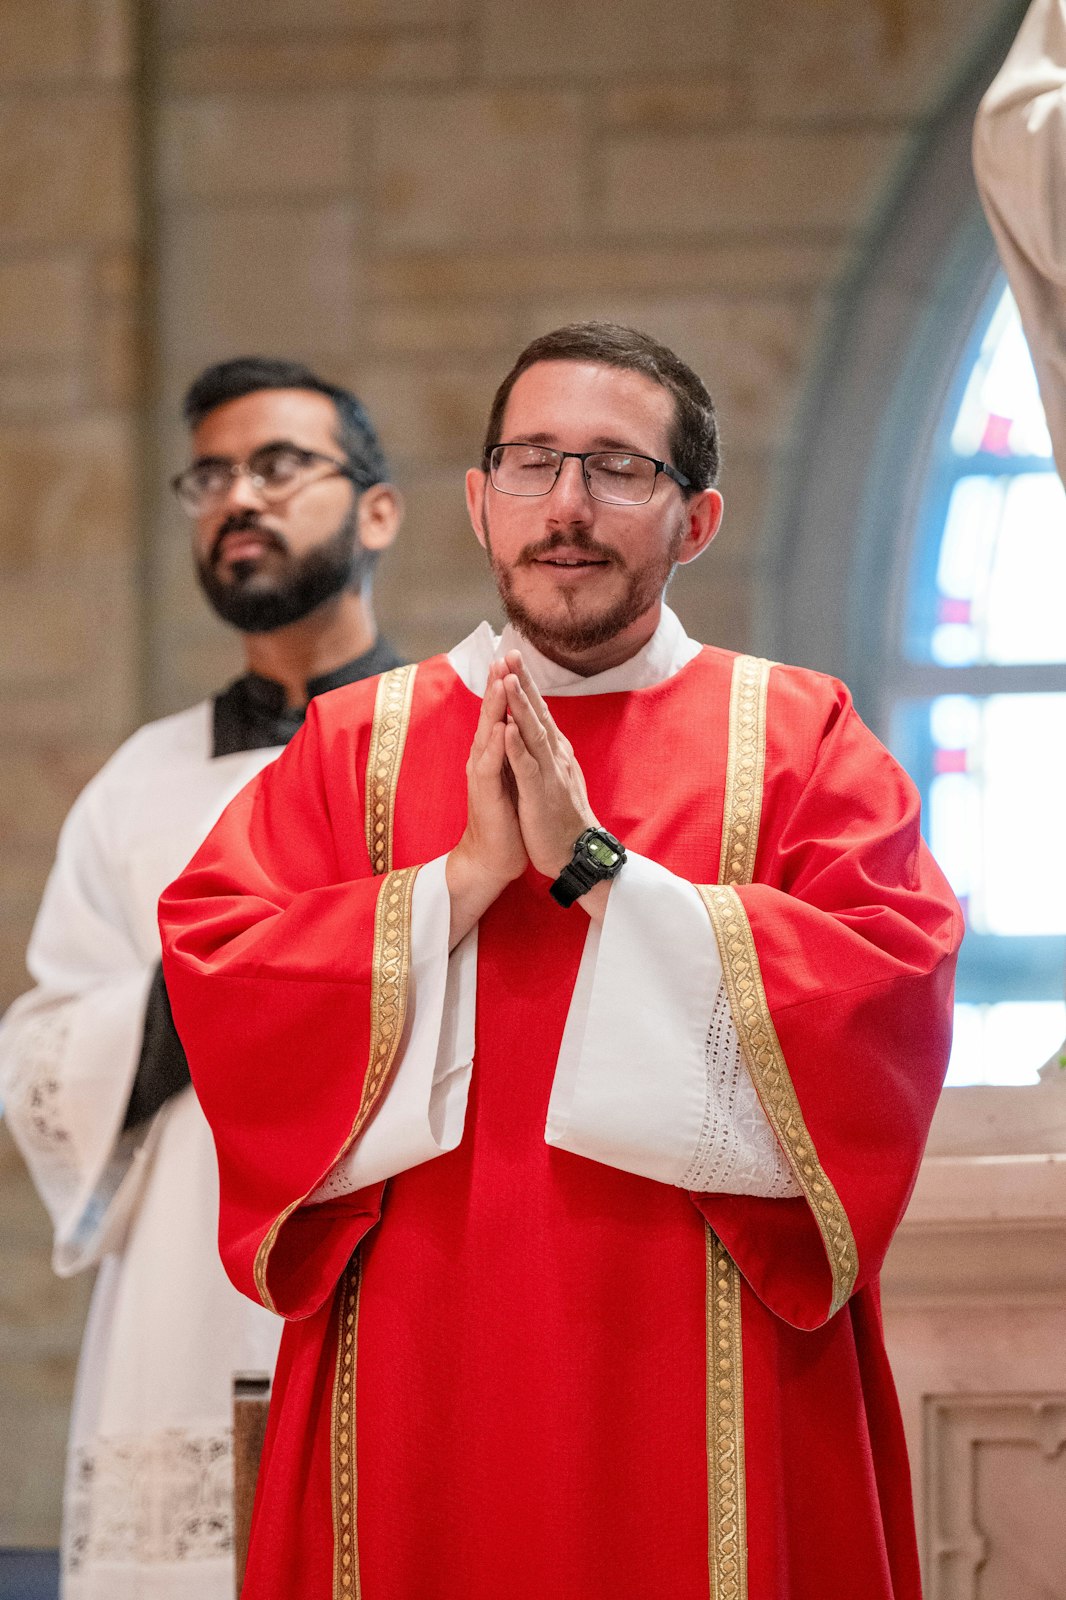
241, 493
570, 500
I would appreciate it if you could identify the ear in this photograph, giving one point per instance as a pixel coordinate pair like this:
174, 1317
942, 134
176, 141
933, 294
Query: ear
379, 516
476, 484
703, 518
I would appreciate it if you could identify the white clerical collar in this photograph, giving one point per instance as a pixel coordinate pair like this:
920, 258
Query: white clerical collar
666, 652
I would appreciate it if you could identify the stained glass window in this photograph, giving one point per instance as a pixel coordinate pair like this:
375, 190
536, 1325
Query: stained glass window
983, 728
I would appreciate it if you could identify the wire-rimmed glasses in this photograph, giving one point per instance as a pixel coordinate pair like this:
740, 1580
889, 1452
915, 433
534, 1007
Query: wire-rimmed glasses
618, 477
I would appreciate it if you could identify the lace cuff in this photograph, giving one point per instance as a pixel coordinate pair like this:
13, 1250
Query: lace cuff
650, 1076
736, 1151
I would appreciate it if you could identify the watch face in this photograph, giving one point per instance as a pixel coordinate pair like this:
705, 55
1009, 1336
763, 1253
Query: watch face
599, 851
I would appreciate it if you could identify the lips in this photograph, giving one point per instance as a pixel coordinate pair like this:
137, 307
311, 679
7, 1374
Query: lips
250, 544
570, 561
242, 546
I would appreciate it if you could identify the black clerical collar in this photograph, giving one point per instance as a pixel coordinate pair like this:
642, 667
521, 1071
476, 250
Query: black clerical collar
252, 715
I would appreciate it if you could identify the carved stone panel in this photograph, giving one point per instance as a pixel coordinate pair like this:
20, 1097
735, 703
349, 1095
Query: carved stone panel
995, 1488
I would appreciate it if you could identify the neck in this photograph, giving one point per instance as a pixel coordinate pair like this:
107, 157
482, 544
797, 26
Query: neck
332, 635
621, 647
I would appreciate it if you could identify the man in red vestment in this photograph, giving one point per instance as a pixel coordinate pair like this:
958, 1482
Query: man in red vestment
570, 1012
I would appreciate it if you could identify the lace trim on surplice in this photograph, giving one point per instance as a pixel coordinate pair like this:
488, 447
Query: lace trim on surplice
737, 1152
140, 1501
34, 1101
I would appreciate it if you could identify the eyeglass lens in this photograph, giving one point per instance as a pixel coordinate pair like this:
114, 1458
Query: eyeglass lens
275, 471
614, 476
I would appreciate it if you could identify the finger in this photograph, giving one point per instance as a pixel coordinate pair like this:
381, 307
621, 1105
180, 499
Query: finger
534, 734
524, 765
493, 711
485, 767
516, 664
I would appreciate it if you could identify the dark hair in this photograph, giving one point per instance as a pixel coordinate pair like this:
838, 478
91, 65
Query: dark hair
230, 380
694, 430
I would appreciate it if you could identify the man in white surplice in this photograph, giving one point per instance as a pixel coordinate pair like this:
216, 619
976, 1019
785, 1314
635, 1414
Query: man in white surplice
290, 501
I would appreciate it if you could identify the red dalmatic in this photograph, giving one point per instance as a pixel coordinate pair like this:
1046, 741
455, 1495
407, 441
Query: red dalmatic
514, 1372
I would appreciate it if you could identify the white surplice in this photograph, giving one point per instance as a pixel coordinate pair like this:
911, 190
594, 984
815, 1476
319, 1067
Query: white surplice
148, 1500
650, 1076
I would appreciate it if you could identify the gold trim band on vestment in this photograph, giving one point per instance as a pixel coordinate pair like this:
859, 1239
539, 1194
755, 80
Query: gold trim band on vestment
766, 1063
346, 1582
745, 769
727, 1542
388, 735
389, 984
726, 1491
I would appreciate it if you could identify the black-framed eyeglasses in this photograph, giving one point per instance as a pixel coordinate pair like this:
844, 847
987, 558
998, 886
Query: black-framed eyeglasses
275, 472
618, 477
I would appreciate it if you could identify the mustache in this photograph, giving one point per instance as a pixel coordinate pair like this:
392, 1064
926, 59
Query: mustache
245, 522
577, 540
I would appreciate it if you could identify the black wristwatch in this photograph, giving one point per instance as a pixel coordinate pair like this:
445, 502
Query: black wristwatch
597, 857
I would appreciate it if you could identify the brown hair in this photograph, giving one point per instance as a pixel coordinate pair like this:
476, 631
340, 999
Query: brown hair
694, 432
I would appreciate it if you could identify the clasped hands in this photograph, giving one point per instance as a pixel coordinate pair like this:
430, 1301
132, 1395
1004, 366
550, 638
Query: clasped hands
526, 799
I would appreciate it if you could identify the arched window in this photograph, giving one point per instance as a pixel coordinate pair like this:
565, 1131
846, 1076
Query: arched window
979, 713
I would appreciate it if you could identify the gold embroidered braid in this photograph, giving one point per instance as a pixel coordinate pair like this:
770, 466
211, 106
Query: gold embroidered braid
745, 769
346, 1585
769, 1071
391, 975
389, 982
728, 1545
392, 716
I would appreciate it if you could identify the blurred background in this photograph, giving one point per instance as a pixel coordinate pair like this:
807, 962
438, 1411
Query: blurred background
402, 193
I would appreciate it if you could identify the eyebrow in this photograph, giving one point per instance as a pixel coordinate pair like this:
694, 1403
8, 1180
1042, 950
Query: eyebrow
270, 444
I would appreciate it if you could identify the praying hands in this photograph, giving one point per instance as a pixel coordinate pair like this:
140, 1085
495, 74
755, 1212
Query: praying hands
526, 799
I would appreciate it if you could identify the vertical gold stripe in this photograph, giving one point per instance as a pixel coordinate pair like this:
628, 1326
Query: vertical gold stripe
727, 1544
388, 1005
726, 1508
389, 983
346, 1584
766, 1062
745, 769
388, 734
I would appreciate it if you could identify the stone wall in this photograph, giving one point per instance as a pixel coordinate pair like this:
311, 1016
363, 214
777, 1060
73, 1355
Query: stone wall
68, 609
401, 192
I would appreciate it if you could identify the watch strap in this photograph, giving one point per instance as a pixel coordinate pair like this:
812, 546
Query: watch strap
576, 879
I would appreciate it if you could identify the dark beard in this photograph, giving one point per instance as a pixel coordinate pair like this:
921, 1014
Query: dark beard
253, 604
573, 635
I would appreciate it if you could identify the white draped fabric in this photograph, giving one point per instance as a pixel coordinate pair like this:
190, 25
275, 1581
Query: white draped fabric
1019, 153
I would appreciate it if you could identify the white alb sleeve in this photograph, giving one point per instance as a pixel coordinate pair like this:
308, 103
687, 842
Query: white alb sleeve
423, 1111
69, 1048
650, 1076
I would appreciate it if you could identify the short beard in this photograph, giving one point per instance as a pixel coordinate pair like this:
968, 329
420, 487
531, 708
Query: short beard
572, 635
253, 604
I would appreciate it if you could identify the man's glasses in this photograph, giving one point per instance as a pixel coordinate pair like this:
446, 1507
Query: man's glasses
616, 476
275, 472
